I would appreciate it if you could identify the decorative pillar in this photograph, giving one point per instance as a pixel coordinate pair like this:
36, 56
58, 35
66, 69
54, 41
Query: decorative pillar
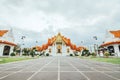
63, 50
116, 49
54, 53
1, 49
11, 49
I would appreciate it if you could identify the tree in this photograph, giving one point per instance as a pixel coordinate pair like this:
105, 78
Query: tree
16, 49
32, 52
85, 53
26, 51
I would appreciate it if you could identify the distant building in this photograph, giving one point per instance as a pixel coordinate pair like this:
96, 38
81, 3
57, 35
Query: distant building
59, 46
112, 42
6, 42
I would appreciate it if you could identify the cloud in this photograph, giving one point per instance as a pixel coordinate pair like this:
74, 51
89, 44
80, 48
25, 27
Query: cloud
78, 20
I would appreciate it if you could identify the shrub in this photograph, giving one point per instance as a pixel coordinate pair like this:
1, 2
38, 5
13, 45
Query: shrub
71, 54
24, 54
106, 54
47, 54
85, 53
32, 53
93, 54
76, 55
12, 54
40, 54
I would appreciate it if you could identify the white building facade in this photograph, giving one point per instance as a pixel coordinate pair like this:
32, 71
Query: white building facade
60, 46
112, 42
6, 42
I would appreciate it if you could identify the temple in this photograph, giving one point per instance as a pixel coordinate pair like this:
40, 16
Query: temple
112, 42
6, 42
59, 46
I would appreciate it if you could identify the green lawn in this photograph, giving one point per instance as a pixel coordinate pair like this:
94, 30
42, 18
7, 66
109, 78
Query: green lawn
109, 60
13, 59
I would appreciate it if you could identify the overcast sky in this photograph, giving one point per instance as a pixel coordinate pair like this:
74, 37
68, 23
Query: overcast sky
78, 20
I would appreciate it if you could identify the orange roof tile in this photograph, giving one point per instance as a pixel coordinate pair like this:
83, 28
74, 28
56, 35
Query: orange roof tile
110, 43
80, 48
38, 48
2, 32
116, 33
7, 42
66, 40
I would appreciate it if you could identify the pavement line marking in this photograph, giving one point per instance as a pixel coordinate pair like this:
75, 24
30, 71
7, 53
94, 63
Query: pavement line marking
17, 71
105, 74
14, 63
58, 69
40, 69
79, 71
100, 72
61, 71
11, 64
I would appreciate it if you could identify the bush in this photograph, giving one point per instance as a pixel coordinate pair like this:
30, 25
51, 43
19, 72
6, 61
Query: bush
93, 54
40, 54
71, 54
12, 54
32, 53
24, 54
85, 53
106, 54
47, 54
76, 55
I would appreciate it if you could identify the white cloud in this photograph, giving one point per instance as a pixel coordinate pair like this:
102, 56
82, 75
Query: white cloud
77, 19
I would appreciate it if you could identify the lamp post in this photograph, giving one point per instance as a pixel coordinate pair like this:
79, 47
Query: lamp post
22, 38
95, 45
82, 44
36, 51
36, 43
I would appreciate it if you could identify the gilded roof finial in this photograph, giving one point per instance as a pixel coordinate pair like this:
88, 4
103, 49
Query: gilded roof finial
59, 33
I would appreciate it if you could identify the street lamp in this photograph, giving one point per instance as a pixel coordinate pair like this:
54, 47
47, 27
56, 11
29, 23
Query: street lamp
22, 38
95, 45
36, 43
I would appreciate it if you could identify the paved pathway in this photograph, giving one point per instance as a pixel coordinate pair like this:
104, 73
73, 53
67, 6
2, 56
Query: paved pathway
59, 68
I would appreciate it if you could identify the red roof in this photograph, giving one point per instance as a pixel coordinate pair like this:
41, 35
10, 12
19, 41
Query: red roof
38, 48
110, 43
66, 40
116, 33
2, 32
7, 42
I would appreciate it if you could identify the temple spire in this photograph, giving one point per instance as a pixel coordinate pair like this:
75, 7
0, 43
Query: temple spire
59, 33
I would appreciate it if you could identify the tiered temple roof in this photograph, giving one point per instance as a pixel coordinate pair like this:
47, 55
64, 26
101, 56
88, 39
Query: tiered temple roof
67, 42
2, 33
116, 34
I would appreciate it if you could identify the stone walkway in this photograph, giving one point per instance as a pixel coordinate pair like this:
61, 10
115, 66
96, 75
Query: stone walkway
59, 68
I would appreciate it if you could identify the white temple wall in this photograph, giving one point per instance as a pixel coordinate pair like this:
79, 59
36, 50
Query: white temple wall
116, 48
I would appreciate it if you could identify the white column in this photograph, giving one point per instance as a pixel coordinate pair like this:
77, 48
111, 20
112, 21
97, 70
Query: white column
63, 50
116, 48
11, 50
54, 50
1, 49
67, 47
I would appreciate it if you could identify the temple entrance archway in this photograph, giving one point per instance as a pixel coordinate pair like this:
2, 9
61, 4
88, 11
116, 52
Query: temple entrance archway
59, 49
